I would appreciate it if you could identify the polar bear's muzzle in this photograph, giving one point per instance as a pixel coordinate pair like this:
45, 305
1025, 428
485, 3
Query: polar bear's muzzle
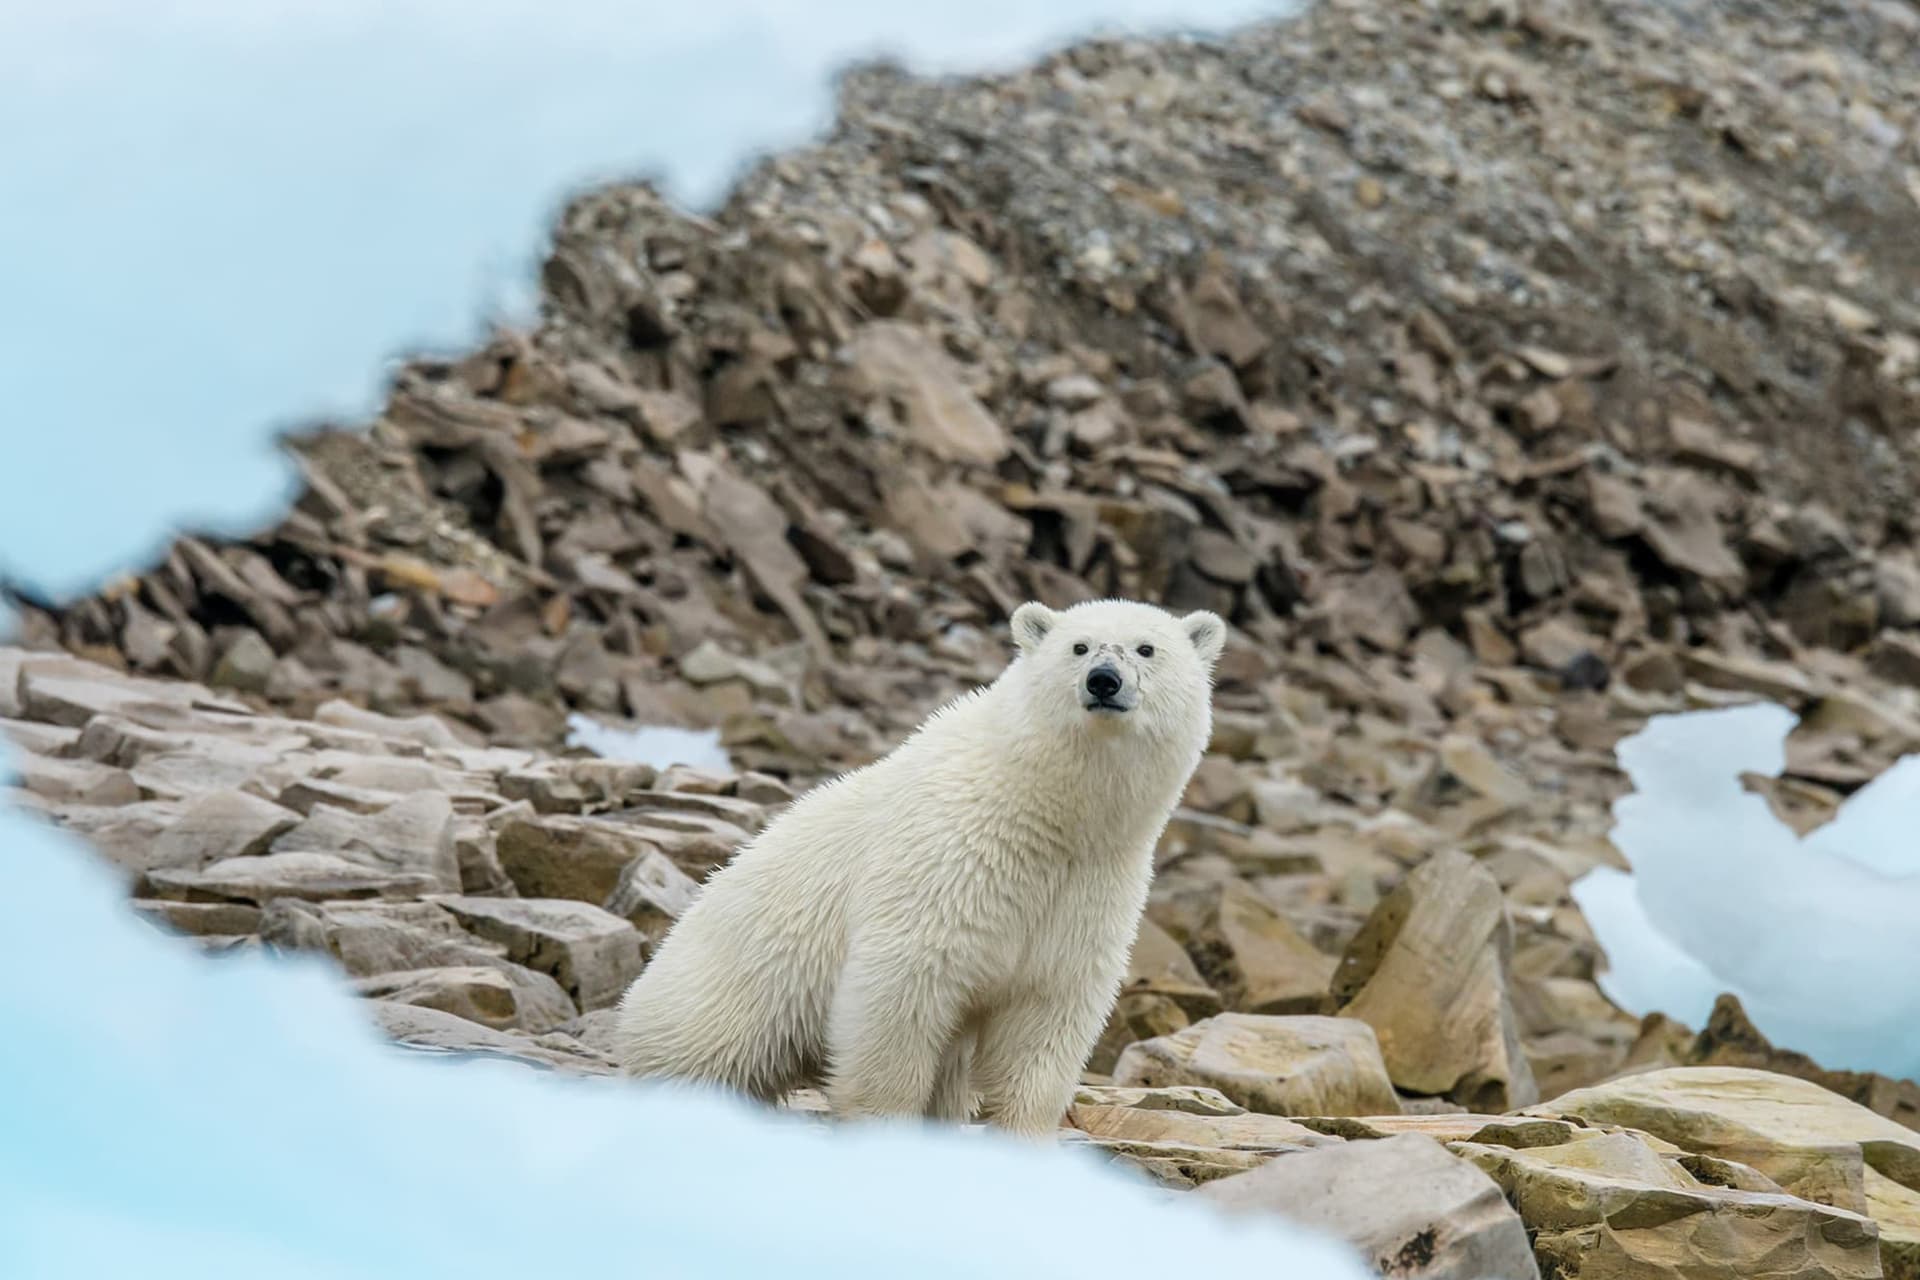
1105, 691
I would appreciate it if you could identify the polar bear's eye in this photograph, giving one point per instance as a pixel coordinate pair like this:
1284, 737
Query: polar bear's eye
1145, 651
1079, 648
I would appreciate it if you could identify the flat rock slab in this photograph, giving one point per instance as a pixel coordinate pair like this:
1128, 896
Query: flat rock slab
1609, 1205
1304, 1065
1500, 1131
201, 919
1248, 1131
502, 996
73, 697
1189, 1099
315, 877
1174, 1165
1811, 1141
1755, 1117
370, 938
74, 782
1409, 1205
40, 739
420, 731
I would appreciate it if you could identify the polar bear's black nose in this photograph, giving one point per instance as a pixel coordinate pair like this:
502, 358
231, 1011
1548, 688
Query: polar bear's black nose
1103, 682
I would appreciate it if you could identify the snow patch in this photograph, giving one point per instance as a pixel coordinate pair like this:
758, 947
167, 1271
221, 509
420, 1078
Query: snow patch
661, 746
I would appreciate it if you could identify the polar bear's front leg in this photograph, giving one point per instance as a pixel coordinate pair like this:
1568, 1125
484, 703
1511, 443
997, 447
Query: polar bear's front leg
1031, 1052
952, 1100
890, 1029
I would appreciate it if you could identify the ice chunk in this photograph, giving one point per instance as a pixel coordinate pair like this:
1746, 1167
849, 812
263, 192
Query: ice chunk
1647, 971
1817, 937
1879, 825
661, 746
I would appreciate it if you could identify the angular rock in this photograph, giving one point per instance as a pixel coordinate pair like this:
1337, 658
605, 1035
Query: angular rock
895, 362
1447, 1127
1159, 965
246, 665
1161, 993
218, 825
1279, 1066
562, 857
755, 527
369, 938
1408, 1205
695, 843
1246, 950
1136, 1016
1375, 608
592, 952
650, 894
1187, 1099
1781, 682
1682, 528
412, 836
123, 834
1429, 973
1897, 1211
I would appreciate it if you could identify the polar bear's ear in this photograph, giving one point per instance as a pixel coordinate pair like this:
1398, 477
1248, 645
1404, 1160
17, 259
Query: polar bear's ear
1031, 622
1207, 632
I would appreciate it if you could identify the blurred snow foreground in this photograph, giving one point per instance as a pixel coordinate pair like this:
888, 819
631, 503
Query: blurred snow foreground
164, 1114
1818, 937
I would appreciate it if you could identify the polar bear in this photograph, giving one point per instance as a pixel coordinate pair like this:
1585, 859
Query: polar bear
955, 918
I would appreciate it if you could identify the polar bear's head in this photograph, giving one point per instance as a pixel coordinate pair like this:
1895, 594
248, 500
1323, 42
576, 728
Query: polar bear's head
1120, 666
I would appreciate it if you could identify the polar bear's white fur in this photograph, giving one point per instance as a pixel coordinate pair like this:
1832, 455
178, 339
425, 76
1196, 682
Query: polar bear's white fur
955, 918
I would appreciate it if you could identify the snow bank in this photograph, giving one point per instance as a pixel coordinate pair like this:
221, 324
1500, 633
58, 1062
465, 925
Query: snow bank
1818, 937
168, 1115
661, 746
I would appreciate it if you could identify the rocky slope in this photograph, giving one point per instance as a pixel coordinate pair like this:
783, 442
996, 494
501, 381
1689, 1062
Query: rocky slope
1505, 371
1383, 1083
